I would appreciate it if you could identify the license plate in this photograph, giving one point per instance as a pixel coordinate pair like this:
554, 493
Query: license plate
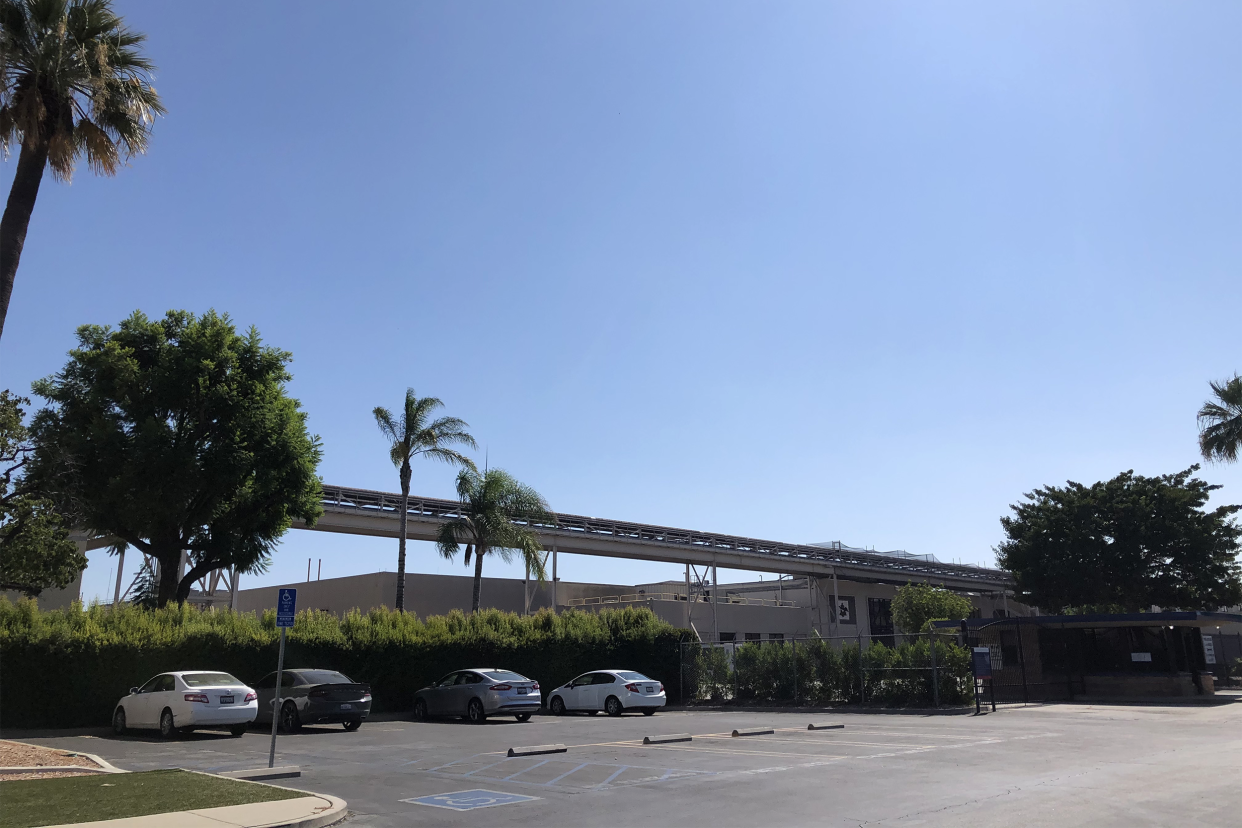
650, 689
226, 700
522, 691
347, 707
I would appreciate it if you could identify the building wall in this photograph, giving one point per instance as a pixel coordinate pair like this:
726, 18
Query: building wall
424, 594
52, 599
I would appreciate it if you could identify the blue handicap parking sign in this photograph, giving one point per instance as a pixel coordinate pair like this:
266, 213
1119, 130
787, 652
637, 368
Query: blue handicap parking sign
286, 607
469, 800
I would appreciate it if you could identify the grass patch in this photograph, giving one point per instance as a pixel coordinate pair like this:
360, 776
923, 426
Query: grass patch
33, 802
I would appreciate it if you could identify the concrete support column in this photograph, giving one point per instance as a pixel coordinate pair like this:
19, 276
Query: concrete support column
836, 602
715, 601
233, 589
687, 596
554, 578
120, 573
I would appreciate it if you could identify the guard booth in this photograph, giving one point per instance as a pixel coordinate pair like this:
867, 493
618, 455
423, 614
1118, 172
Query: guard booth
1061, 657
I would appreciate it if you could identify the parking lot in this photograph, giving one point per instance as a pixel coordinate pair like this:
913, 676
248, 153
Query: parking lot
1050, 765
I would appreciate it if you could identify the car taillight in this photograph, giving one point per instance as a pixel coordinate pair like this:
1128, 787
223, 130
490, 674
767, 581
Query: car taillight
633, 688
535, 686
318, 692
661, 688
502, 687
251, 697
366, 697
196, 697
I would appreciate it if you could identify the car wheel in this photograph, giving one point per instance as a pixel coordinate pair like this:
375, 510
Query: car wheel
118, 721
353, 724
290, 722
420, 710
522, 717
238, 730
612, 706
474, 712
650, 711
557, 706
168, 728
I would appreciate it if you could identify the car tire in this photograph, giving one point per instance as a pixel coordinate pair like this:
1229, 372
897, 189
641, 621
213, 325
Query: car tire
649, 711
168, 727
420, 710
557, 706
612, 706
522, 717
474, 712
118, 721
352, 724
238, 730
290, 721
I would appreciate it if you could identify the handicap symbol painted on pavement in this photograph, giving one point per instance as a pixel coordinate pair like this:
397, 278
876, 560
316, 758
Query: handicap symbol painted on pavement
469, 800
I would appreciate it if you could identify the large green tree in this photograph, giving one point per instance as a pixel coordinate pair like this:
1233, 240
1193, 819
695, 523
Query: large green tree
412, 434
175, 435
916, 605
495, 517
1125, 543
73, 84
35, 550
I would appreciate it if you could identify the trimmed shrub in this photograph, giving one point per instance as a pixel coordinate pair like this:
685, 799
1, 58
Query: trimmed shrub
828, 674
68, 668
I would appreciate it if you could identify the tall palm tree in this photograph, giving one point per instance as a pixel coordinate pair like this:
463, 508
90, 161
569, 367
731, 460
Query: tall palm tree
73, 84
414, 434
494, 507
1220, 422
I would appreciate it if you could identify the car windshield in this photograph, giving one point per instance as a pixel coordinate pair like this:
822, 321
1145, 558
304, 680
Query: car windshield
208, 679
324, 677
503, 675
632, 676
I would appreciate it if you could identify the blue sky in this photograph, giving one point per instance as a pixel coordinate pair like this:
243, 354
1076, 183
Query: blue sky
803, 271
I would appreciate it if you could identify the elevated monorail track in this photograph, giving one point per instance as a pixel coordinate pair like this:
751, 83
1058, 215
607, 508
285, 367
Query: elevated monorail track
366, 512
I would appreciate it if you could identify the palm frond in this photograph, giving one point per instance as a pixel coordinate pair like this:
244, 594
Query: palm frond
1220, 422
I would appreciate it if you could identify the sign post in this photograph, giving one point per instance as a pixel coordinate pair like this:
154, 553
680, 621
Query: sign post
286, 608
981, 666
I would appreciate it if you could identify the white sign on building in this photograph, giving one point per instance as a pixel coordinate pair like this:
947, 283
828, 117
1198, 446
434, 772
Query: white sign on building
1209, 650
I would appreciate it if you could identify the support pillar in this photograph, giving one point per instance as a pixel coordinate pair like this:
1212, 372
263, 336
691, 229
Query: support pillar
836, 602
687, 596
233, 589
554, 578
120, 573
715, 601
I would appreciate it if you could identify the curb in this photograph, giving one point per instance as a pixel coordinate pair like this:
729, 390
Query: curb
886, 711
336, 812
104, 765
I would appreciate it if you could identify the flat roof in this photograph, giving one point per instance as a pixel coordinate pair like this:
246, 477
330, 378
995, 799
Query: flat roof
1127, 619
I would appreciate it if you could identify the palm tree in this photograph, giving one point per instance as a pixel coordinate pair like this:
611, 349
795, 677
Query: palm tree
493, 508
72, 85
1220, 422
413, 435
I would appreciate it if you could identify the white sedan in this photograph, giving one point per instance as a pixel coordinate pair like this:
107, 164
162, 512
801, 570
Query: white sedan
613, 691
183, 701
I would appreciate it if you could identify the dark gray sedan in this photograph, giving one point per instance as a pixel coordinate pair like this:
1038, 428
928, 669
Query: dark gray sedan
314, 697
476, 694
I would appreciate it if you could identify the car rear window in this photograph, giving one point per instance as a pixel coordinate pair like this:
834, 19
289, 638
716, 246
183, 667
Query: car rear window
323, 677
208, 679
504, 675
632, 676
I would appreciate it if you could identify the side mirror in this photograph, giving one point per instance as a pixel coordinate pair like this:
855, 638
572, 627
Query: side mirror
133, 690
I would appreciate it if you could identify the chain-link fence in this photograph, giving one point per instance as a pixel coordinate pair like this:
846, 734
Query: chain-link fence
817, 670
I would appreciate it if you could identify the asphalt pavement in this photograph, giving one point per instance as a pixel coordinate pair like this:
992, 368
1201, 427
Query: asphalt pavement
1054, 765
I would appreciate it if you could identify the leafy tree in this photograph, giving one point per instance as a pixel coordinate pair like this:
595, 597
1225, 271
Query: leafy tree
35, 550
494, 507
916, 605
410, 436
73, 84
177, 434
1128, 543
1220, 422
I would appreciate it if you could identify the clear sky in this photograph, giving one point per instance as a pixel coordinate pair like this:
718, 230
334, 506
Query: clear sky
802, 271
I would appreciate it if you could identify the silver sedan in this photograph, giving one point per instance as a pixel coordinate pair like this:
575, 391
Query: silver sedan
478, 693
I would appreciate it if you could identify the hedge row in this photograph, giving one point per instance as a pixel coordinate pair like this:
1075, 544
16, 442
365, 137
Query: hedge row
828, 674
67, 668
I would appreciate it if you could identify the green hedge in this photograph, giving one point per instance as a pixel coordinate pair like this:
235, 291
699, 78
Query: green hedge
67, 668
828, 674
